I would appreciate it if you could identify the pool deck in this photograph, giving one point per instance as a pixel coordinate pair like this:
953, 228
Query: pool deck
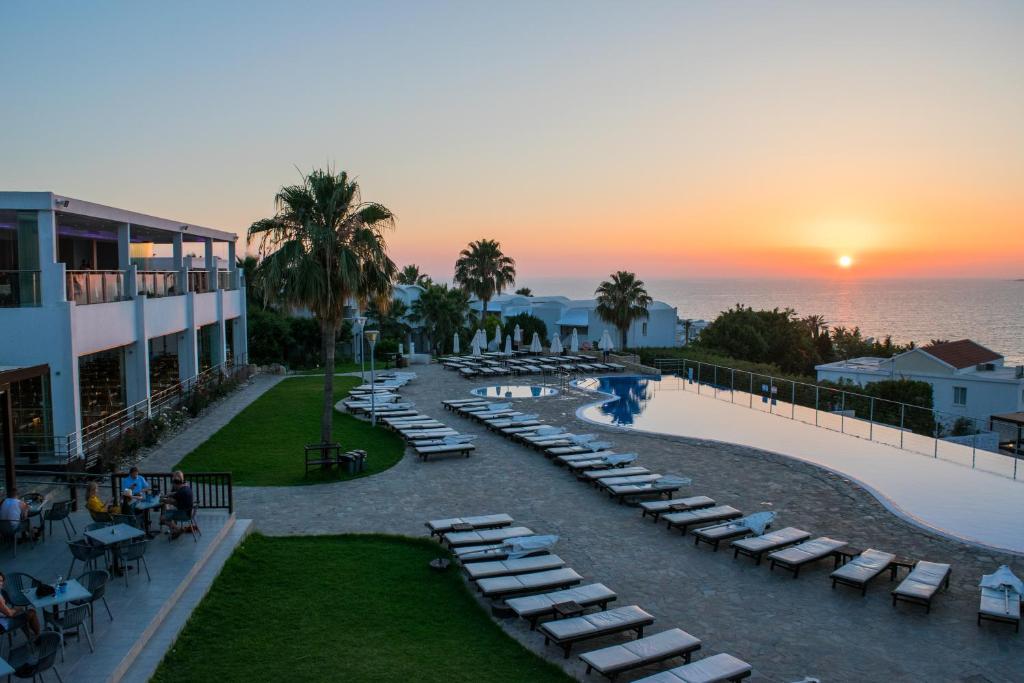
785, 628
952, 498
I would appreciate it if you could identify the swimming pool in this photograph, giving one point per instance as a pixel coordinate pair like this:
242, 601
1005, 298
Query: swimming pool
942, 492
514, 391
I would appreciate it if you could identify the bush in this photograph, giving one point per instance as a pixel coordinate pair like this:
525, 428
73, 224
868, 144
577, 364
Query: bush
529, 324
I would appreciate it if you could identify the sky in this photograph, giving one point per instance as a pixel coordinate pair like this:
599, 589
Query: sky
675, 139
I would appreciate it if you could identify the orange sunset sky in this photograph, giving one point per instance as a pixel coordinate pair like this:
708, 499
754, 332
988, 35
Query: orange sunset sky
673, 139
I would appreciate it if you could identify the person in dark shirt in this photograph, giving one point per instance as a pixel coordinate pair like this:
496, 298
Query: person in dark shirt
178, 505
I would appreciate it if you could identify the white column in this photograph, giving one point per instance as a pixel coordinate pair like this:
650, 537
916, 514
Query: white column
211, 264
52, 272
241, 333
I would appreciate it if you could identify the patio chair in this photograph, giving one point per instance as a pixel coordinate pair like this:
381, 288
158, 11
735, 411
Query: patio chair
96, 583
32, 659
533, 608
71, 620
17, 583
60, 511
101, 517
134, 552
84, 552
862, 569
614, 660
714, 669
12, 530
567, 632
655, 508
922, 584
795, 557
757, 546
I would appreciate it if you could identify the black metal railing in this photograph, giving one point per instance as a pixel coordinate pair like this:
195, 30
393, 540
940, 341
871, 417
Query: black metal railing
210, 490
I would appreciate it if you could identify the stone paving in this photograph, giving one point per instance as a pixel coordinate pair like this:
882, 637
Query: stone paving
786, 628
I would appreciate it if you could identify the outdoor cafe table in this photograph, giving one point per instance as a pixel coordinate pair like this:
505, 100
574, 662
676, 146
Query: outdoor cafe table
111, 536
144, 505
72, 591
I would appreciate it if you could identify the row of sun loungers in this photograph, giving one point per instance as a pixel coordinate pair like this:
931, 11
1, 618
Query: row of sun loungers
514, 567
500, 365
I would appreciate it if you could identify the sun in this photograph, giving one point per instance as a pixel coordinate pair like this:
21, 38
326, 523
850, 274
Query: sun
845, 261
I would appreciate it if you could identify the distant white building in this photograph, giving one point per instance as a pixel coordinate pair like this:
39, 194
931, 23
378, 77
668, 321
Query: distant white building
562, 315
967, 379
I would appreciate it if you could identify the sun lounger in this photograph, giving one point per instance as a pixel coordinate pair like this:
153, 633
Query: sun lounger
608, 482
503, 424
795, 557
589, 447
594, 476
757, 546
438, 527
862, 569
421, 434
656, 508
524, 565
454, 539
687, 518
510, 549
720, 668
463, 449
415, 426
566, 632
525, 584
576, 457
614, 660
746, 526
606, 461
533, 608
922, 584
1000, 604
666, 486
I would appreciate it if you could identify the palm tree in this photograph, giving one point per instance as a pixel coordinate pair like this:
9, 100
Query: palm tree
411, 275
524, 291
323, 247
622, 300
483, 270
442, 312
816, 324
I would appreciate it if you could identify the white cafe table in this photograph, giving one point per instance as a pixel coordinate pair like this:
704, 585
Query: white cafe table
72, 591
111, 535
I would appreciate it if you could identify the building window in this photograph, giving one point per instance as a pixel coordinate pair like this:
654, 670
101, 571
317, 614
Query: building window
643, 329
959, 396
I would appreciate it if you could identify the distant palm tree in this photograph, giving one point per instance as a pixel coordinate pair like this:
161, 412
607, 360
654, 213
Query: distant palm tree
323, 247
937, 342
411, 275
442, 312
687, 326
483, 270
622, 300
816, 324
524, 291
253, 291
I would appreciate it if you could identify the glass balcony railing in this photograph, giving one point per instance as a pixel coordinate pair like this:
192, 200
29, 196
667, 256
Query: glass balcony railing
224, 279
20, 288
95, 286
157, 283
199, 281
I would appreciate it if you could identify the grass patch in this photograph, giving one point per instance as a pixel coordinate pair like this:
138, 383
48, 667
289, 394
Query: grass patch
262, 445
341, 366
347, 608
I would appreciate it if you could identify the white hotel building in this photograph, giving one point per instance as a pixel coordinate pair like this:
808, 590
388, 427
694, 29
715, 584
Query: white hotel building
102, 308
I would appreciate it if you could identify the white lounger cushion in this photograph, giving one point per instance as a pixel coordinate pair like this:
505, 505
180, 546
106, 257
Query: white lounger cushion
701, 515
924, 581
446, 448
772, 540
585, 596
631, 479
677, 504
714, 669
479, 521
521, 583
642, 651
808, 552
998, 603
609, 621
482, 570
481, 537
865, 566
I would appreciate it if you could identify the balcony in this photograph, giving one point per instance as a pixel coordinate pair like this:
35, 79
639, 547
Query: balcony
157, 283
199, 281
19, 288
224, 279
86, 287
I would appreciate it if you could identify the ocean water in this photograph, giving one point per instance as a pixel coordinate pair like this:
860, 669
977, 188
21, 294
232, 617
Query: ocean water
991, 312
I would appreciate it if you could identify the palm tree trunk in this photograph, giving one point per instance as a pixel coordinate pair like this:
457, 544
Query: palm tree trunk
624, 332
328, 333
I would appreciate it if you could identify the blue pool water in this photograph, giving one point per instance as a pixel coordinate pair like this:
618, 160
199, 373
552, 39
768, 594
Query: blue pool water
514, 391
633, 393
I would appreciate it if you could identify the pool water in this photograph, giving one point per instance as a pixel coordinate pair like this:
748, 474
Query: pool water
633, 394
514, 391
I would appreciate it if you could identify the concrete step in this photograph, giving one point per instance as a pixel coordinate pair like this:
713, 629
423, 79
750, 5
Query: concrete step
142, 660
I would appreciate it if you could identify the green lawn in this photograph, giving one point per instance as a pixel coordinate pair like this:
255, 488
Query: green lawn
339, 366
262, 445
345, 608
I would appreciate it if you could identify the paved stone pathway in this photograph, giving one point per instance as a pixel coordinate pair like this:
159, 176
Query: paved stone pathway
787, 629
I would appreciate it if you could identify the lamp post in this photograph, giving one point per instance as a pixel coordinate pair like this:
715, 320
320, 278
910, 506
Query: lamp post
360, 323
371, 337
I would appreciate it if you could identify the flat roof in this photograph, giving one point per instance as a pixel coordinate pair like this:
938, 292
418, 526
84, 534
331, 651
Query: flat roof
46, 201
1013, 418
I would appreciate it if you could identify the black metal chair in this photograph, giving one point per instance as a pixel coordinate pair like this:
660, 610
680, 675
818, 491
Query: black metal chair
17, 583
32, 659
60, 512
135, 552
11, 530
96, 583
71, 620
84, 552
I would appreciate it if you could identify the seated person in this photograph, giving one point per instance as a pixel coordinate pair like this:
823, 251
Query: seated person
15, 511
179, 504
16, 617
135, 482
95, 505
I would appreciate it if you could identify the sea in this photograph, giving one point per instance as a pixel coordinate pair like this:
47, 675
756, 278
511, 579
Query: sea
991, 312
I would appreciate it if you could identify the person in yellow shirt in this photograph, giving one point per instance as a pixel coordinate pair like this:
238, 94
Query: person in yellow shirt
95, 505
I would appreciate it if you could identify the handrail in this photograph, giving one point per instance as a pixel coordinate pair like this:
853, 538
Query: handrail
86, 287
20, 288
